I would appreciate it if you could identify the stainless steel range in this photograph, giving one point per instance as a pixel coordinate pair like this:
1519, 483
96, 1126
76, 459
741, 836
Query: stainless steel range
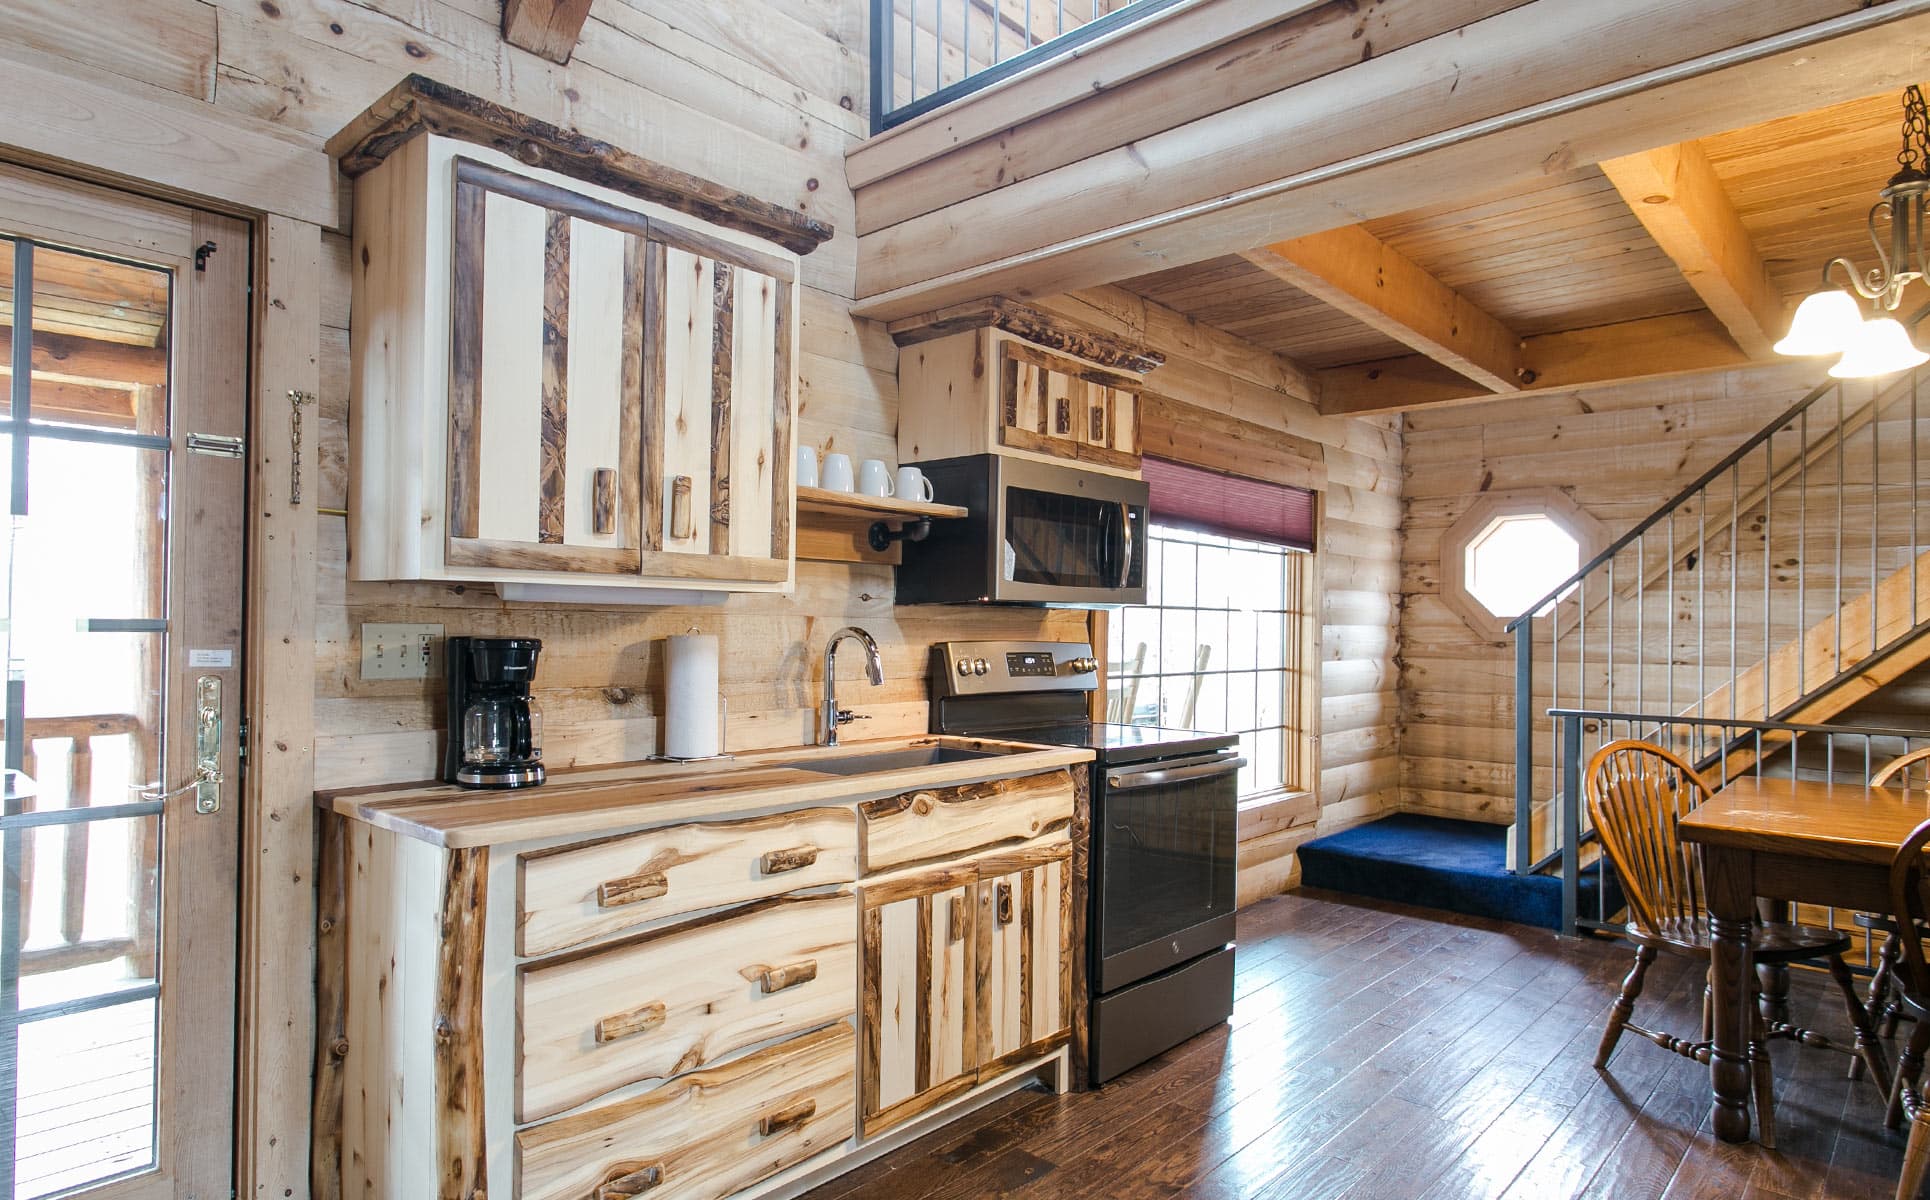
1164, 831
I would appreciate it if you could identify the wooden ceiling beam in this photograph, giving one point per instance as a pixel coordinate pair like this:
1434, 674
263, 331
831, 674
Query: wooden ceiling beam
1675, 194
1683, 344
89, 361
546, 27
1372, 282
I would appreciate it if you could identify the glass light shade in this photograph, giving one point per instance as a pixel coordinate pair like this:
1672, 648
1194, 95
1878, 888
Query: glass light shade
1881, 347
1825, 323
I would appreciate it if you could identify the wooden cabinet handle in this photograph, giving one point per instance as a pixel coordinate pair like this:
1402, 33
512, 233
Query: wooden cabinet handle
635, 1181
603, 500
627, 1024
632, 888
776, 979
787, 1118
776, 862
680, 507
1004, 894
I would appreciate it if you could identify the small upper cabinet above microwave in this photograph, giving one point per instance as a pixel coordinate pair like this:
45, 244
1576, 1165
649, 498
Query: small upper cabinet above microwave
1002, 378
561, 382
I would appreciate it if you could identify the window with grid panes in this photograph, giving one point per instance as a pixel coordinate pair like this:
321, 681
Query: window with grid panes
1222, 643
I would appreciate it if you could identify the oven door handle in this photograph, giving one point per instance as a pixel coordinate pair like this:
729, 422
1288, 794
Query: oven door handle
1126, 781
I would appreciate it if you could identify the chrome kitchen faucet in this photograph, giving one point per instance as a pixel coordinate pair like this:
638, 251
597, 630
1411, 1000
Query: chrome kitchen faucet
874, 668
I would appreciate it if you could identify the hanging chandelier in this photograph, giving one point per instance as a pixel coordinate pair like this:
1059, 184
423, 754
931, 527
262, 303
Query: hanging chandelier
1831, 321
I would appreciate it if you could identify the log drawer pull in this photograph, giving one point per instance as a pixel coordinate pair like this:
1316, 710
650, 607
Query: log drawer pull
1004, 903
776, 862
603, 500
634, 1182
787, 1118
627, 1024
631, 888
776, 979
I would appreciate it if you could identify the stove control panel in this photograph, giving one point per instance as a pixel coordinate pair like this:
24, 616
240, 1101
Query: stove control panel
992, 668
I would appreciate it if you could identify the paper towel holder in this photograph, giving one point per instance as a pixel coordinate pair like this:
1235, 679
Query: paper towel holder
723, 723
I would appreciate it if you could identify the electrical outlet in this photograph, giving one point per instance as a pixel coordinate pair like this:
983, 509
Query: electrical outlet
400, 651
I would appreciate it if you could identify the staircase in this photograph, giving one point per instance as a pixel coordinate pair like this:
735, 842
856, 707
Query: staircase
1789, 583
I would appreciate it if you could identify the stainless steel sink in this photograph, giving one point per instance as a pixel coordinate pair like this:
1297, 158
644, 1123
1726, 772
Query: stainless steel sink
866, 763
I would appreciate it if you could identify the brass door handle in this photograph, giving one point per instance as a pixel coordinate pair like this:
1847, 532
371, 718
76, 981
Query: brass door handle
632, 888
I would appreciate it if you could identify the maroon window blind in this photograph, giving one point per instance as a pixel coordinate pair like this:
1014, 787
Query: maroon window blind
1229, 505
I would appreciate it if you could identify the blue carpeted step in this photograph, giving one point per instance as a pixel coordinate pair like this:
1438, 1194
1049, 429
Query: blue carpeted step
1434, 862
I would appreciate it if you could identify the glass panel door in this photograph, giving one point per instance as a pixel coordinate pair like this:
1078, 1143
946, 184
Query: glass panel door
99, 966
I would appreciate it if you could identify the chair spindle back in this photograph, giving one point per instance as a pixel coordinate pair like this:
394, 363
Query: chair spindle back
1637, 793
1909, 906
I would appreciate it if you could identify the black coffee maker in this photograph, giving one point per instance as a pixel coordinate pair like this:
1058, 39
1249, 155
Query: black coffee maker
495, 733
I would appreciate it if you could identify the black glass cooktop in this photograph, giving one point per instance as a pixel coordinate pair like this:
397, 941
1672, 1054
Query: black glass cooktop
1124, 743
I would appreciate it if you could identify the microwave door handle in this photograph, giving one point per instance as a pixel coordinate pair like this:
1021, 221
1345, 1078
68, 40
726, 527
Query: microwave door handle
1126, 781
1126, 544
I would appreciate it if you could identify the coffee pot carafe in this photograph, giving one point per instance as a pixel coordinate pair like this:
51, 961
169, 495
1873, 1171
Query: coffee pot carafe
495, 731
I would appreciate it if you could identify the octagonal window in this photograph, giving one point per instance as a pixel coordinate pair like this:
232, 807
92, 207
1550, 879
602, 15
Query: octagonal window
1517, 559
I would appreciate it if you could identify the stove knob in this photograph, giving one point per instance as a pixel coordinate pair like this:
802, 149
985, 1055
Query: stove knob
980, 666
964, 666
1083, 666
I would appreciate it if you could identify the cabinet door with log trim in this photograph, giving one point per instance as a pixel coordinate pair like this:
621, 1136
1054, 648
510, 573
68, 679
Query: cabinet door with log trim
918, 998
1054, 405
545, 382
717, 410
1023, 956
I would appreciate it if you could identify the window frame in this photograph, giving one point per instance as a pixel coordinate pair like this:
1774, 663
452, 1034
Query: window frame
1299, 666
1591, 538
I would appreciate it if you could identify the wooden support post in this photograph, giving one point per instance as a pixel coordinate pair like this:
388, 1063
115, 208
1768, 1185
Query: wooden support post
546, 27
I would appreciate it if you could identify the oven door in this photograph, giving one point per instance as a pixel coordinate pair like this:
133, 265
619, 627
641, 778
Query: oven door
1164, 840
1067, 536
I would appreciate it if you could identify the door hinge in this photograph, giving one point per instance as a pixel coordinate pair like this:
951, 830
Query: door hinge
201, 254
220, 445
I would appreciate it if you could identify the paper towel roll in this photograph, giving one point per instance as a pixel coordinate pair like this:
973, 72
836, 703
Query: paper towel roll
690, 723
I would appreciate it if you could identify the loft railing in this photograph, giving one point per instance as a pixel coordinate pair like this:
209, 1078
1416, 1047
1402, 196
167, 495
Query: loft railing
928, 53
1769, 749
1789, 563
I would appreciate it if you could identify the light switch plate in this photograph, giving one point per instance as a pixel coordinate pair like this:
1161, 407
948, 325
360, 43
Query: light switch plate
400, 651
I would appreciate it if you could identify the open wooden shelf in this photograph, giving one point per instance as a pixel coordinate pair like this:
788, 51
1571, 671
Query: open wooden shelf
878, 508
836, 526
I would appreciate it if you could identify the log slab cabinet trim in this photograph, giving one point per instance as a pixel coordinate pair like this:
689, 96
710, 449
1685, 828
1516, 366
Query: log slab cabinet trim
616, 1057
422, 105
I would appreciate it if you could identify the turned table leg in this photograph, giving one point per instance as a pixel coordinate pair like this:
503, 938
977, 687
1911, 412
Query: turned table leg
1727, 876
1772, 979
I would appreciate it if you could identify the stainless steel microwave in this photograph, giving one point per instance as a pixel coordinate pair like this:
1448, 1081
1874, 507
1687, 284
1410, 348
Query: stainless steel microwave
1039, 533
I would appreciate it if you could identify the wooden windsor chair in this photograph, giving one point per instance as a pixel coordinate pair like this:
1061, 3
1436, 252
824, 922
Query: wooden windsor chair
1637, 794
1885, 1000
1909, 908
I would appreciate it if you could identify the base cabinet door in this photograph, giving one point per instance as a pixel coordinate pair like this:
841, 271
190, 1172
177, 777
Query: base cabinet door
1023, 960
919, 994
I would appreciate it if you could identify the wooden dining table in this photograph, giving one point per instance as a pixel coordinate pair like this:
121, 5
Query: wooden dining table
1785, 840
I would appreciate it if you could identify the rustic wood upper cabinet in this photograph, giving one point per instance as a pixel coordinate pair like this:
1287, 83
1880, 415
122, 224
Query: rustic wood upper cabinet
569, 365
1003, 378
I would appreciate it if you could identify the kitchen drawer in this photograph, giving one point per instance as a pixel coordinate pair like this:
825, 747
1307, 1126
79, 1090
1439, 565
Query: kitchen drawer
937, 823
662, 1004
575, 894
707, 1134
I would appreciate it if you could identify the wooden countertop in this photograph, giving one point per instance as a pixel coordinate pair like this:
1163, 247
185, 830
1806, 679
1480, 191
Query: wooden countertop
597, 800
1841, 822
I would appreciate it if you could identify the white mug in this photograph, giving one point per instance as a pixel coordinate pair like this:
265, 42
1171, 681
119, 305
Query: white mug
807, 466
912, 485
874, 478
837, 473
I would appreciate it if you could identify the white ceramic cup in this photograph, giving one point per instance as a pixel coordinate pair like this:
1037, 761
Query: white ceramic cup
807, 466
874, 477
912, 485
836, 476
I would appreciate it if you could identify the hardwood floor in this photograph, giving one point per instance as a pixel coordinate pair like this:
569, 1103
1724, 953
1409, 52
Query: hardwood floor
1380, 1052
